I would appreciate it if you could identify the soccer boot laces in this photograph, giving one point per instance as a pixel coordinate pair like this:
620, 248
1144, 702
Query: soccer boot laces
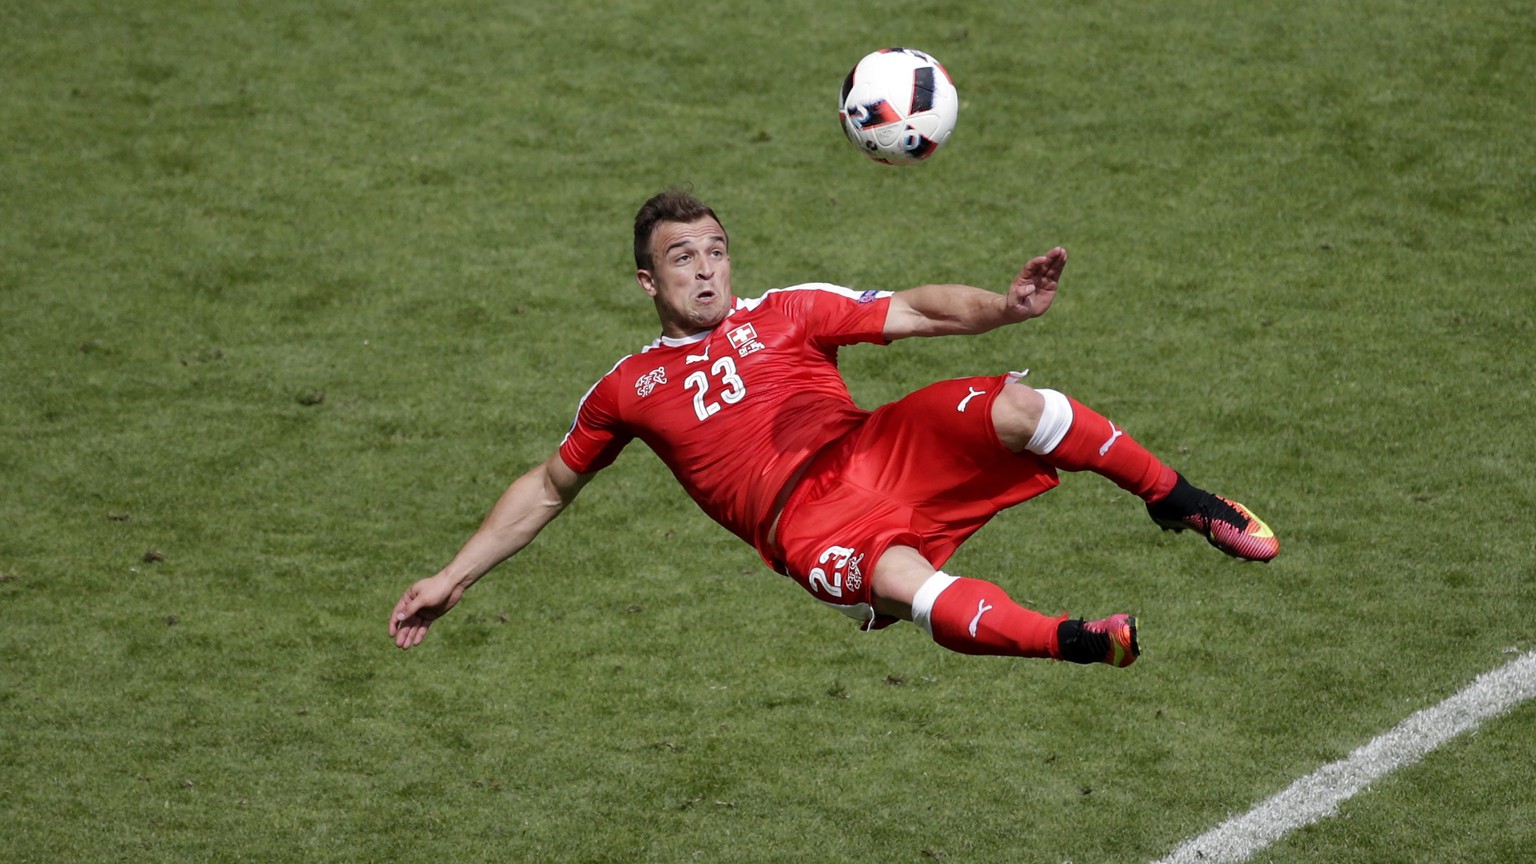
1109, 640
1228, 525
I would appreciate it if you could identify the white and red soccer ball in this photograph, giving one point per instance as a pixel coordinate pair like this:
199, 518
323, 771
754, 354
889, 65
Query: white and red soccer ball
898, 106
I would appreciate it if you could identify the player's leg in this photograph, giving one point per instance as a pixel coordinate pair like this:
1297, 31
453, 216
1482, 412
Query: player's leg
1073, 437
972, 616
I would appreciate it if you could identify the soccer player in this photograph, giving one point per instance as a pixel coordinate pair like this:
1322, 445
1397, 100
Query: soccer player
743, 401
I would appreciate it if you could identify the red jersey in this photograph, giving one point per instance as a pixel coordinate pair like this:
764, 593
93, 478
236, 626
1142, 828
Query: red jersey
734, 411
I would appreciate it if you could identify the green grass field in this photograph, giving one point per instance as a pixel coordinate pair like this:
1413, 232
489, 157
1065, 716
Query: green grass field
290, 291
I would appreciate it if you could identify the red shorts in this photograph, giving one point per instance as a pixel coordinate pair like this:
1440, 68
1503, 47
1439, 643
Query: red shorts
925, 471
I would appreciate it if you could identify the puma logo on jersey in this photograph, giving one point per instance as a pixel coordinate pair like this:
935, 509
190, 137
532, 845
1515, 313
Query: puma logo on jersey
1111, 442
981, 609
699, 358
966, 400
648, 382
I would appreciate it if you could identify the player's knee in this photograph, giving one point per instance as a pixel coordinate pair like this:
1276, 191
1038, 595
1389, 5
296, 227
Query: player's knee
897, 576
1016, 414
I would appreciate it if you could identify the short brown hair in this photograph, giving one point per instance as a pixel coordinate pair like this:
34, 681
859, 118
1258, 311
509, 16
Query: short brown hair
673, 205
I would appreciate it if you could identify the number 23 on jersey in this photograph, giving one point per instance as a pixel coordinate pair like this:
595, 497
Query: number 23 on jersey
722, 377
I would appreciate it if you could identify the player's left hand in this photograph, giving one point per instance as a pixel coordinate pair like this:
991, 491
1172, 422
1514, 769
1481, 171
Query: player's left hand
1035, 287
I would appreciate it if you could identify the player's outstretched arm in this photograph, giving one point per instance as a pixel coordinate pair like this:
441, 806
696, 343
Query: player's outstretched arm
531, 502
961, 310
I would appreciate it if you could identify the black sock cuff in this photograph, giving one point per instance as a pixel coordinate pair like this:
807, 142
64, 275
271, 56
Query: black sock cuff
1183, 500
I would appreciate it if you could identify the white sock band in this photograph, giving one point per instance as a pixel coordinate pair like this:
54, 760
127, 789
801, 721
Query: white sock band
1055, 420
927, 594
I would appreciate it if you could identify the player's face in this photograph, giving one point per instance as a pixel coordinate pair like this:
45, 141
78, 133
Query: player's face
691, 279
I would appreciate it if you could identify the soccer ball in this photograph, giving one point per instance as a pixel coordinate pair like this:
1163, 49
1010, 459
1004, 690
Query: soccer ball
898, 106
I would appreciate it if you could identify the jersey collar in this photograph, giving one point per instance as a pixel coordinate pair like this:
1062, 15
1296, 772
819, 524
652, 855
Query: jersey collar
682, 341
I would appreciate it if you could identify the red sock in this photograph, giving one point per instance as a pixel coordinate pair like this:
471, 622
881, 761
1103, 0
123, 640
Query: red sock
1093, 443
971, 616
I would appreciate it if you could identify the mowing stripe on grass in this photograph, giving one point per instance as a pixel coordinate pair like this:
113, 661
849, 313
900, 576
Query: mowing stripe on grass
1319, 794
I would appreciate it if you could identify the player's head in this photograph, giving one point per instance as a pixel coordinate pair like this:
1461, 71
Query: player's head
683, 262
673, 205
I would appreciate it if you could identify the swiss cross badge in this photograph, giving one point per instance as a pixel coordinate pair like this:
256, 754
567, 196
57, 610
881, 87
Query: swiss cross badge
742, 336
744, 340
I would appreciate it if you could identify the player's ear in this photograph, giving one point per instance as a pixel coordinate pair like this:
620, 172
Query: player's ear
647, 282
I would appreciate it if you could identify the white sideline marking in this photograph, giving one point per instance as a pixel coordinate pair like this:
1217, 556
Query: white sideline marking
1319, 794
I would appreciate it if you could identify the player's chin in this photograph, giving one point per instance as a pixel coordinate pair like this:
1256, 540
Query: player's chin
709, 314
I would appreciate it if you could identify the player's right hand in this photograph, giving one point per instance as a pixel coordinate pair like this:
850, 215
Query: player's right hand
1035, 287
422, 603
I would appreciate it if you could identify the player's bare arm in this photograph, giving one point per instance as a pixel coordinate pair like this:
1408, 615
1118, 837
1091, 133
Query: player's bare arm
963, 310
531, 502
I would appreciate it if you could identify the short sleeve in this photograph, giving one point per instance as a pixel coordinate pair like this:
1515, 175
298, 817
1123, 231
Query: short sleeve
596, 436
834, 315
